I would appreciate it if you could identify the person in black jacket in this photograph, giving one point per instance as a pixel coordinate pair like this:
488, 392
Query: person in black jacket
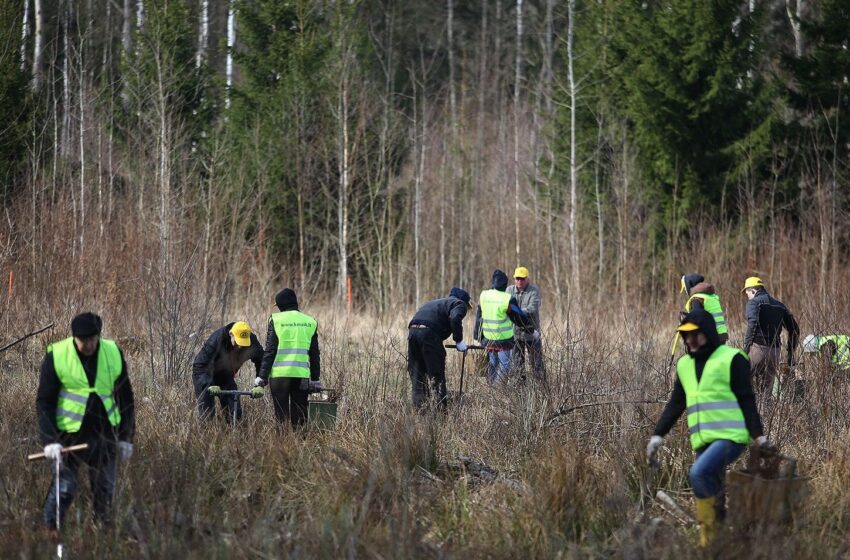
426, 357
766, 317
217, 363
292, 386
108, 433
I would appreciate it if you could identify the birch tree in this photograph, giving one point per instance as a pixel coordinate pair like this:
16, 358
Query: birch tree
203, 32
517, 85
38, 45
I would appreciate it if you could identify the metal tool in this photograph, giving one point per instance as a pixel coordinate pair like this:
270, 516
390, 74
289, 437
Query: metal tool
237, 396
57, 465
26, 336
463, 364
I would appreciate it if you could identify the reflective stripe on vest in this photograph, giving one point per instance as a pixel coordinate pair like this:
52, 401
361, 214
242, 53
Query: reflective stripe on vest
495, 324
841, 358
713, 409
711, 303
294, 332
75, 392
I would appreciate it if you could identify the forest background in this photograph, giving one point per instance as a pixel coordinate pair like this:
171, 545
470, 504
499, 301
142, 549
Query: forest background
235, 147
171, 164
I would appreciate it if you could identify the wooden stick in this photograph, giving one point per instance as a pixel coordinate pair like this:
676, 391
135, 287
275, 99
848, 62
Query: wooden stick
26, 336
71, 449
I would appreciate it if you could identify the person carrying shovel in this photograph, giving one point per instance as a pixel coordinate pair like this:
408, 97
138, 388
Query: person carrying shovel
426, 358
84, 397
713, 384
217, 363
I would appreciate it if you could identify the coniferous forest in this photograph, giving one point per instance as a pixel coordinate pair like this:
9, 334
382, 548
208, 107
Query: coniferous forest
172, 164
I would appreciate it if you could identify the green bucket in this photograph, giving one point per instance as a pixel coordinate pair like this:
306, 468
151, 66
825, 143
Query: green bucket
322, 413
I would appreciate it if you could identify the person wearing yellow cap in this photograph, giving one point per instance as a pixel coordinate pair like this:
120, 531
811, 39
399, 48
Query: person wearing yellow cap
766, 317
217, 363
527, 338
713, 384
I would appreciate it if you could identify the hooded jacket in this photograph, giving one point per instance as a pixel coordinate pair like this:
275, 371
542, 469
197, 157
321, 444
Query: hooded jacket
443, 316
739, 380
690, 281
698, 303
515, 314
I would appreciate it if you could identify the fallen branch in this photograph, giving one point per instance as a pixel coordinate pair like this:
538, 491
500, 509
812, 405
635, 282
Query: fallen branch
26, 336
562, 411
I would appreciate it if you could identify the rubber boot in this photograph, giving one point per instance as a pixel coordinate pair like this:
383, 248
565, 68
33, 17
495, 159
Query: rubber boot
707, 517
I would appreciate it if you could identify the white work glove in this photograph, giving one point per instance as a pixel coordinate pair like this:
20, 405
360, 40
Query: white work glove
652, 448
258, 382
462, 346
53, 451
125, 450
764, 443
536, 335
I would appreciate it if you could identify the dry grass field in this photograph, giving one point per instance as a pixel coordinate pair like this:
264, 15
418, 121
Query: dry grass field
510, 472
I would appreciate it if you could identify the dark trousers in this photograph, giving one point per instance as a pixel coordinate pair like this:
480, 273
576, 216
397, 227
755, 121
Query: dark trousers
206, 402
426, 364
533, 349
101, 467
289, 395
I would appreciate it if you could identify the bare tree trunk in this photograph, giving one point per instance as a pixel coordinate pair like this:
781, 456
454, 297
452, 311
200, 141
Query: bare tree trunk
572, 93
82, 102
127, 28
231, 44
66, 80
795, 15
38, 46
517, 85
25, 34
344, 167
203, 32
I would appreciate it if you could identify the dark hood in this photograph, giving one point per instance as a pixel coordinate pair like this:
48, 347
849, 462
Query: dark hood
691, 280
705, 322
500, 280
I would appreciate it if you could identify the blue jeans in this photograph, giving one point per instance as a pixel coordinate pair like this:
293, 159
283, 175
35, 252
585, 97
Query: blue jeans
500, 364
709, 469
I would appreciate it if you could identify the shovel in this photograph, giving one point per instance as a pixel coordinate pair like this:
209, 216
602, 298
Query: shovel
463, 364
56, 466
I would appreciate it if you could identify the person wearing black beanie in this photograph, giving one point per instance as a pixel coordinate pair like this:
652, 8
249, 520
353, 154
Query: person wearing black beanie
291, 363
85, 396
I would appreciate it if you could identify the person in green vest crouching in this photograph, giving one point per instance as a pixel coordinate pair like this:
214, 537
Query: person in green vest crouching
291, 364
85, 396
834, 349
702, 295
713, 384
497, 313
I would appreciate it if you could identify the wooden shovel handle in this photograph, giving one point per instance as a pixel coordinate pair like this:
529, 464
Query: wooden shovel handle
71, 449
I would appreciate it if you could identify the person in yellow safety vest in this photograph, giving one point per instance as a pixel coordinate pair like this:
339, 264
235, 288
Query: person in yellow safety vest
713, 385
495, 318
833, 348
85, 396
702, 295
291, 363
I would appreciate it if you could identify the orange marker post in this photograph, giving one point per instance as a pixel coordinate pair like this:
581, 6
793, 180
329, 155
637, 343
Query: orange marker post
348, 281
